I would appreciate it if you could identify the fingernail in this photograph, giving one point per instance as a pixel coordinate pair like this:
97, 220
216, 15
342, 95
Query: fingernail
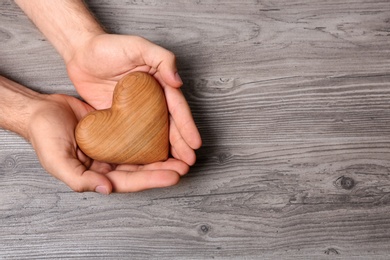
101, 190
177, 78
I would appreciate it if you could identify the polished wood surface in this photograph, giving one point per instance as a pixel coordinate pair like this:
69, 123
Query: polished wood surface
292, 99
134, 130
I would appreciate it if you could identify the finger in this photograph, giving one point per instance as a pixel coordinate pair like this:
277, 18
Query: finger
93, 165
181, 114
74, 174
167, 72
83, 158
101, 167
181, 149
163, 62
163, 82
124, 181
174, 153
171, 164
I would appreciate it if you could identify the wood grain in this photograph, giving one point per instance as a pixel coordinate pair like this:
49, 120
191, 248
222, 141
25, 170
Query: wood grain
292, 101
134, 130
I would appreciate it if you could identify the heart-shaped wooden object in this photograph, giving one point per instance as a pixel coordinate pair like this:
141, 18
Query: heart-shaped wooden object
134, 130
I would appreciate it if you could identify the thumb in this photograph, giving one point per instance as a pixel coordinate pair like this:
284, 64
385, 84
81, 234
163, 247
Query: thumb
167, 71
74, 174
91, 181
164, 61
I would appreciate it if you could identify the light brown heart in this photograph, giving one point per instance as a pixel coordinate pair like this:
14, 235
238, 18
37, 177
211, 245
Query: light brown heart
134, 130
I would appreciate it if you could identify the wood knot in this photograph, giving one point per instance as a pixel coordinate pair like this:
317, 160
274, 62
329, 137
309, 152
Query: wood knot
345, 183
204, 229
331, 251
223, 157
9, 163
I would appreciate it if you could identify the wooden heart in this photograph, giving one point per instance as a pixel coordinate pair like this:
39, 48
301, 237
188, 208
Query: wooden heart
134, 130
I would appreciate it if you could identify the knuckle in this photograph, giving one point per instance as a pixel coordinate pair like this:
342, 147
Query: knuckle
76, 187
171, 55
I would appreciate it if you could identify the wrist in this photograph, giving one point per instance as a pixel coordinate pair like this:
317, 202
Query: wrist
67, 24
17, 105
75, 36
76, 44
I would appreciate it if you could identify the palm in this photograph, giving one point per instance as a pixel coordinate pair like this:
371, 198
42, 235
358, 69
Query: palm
96, 69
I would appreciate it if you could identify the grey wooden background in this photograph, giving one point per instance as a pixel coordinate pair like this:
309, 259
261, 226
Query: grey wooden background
292, 99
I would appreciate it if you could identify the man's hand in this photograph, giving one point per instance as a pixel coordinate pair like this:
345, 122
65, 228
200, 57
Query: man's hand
104, 59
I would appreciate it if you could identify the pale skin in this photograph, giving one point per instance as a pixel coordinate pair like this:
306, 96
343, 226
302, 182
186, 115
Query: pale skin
95, 61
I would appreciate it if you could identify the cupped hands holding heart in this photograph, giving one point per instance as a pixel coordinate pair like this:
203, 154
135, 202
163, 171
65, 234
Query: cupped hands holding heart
96, 61
52, 129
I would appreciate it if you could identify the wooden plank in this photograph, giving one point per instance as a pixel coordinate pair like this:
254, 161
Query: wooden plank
292, 101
